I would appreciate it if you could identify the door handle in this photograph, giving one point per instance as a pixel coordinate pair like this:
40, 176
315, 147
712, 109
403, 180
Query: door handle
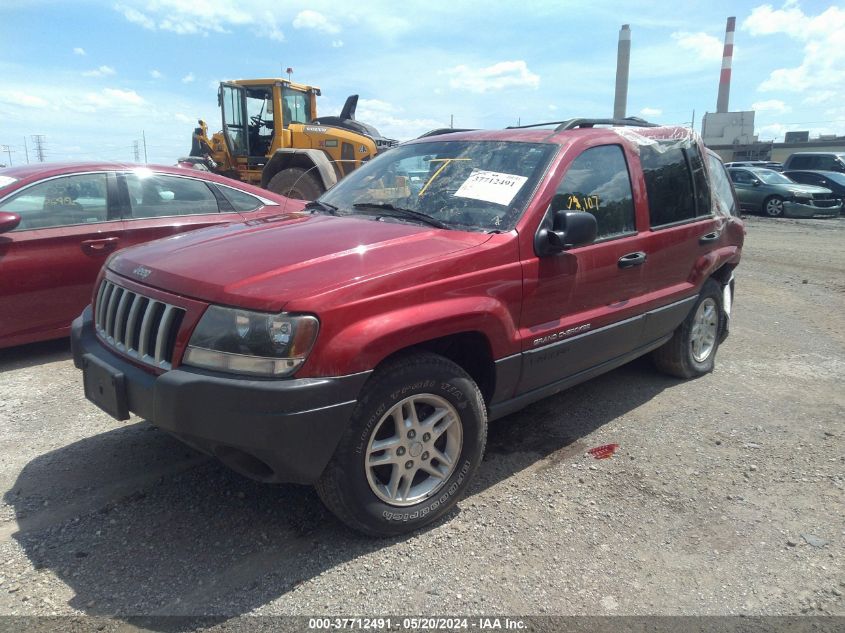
100, 246
632, 259
709, 237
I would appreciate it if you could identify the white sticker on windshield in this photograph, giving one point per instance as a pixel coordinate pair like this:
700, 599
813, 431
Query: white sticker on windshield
491, 186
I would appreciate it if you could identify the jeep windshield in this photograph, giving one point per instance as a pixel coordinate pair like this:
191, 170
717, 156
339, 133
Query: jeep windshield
464, 185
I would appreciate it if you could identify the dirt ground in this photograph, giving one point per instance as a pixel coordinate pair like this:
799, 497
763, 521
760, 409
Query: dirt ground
726, 495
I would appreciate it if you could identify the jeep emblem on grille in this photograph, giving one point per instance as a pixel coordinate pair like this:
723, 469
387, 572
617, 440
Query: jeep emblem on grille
142, 272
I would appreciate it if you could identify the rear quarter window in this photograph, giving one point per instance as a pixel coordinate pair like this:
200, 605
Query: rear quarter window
239, 200
669, 185
723, 195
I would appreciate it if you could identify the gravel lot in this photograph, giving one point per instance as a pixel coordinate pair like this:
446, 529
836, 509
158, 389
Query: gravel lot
726, 495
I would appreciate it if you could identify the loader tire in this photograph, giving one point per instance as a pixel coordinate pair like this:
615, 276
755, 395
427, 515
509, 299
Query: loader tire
296, 183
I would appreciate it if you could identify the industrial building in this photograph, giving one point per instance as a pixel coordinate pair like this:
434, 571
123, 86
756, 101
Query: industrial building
729, 134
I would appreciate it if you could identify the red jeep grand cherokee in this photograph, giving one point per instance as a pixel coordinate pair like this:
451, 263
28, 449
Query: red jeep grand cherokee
363, 343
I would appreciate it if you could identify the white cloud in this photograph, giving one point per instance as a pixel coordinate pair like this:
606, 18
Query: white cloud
771, 105
269, 28
183, 118
651, 111
156, 74
186, 17
552, 107
102, 71
20, 98
189, 78
389, 120
823, 65
309, 19
337, 43
383, 20
123, 96
136, 17
706, 47
820, 96
773, 132
509, 74
79, 51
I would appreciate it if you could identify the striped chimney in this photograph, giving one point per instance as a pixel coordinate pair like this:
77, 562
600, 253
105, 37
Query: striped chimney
623, 60
727, 58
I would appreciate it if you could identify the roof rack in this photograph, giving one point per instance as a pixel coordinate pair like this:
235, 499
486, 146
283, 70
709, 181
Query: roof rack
571, 124
445, 130
630, 121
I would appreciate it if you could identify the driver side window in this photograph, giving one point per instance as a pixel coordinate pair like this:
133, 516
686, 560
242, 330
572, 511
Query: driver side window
598, 182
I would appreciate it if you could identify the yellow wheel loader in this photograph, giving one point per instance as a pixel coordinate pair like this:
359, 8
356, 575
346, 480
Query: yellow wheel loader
272, 137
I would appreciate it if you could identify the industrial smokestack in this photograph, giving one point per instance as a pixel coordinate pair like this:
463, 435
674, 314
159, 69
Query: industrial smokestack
727, 58
623, 59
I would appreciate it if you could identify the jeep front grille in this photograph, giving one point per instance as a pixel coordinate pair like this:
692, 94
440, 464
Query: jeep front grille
140, 327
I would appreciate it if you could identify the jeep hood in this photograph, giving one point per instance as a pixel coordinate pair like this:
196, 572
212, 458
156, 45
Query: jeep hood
264, 263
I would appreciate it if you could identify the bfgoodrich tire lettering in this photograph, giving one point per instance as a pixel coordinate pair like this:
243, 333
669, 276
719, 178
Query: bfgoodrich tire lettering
430, 383
692, 349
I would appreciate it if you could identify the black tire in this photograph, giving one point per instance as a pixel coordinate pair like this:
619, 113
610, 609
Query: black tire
345, 486
296, 183
773, 207
676, 357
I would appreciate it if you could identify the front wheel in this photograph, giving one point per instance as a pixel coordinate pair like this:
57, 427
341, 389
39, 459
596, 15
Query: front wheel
413, 444
773, 207
296, 183
691, 351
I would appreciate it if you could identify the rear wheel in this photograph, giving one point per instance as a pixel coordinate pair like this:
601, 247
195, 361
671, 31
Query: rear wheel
773, 206
413, 443
296, 183
691, 351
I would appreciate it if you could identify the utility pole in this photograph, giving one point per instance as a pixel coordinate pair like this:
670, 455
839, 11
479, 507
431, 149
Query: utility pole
451, 121
137, 151
25, 150
144, 137
8, 150
692, 125
38, 139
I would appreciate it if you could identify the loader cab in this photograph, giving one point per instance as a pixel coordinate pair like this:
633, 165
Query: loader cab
248, 121
256, 117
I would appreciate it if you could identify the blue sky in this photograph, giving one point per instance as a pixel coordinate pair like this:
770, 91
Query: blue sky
92, 76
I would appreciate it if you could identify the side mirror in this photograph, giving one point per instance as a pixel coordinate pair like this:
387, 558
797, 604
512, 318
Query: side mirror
9, 221
755, 182
568, 229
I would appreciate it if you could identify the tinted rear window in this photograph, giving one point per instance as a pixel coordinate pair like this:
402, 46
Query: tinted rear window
668, 183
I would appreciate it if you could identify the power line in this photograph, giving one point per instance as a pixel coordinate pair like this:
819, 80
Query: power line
8, 150
39, 140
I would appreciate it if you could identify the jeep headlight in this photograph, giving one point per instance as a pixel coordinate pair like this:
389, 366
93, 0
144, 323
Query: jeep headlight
253, 343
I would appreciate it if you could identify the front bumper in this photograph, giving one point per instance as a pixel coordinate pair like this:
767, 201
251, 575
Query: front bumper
271, 430
798, 210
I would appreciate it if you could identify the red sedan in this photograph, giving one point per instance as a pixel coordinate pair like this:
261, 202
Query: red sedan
59, 223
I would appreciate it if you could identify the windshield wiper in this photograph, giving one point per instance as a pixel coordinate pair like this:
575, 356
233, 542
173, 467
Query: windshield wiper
323, 206
402, 212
